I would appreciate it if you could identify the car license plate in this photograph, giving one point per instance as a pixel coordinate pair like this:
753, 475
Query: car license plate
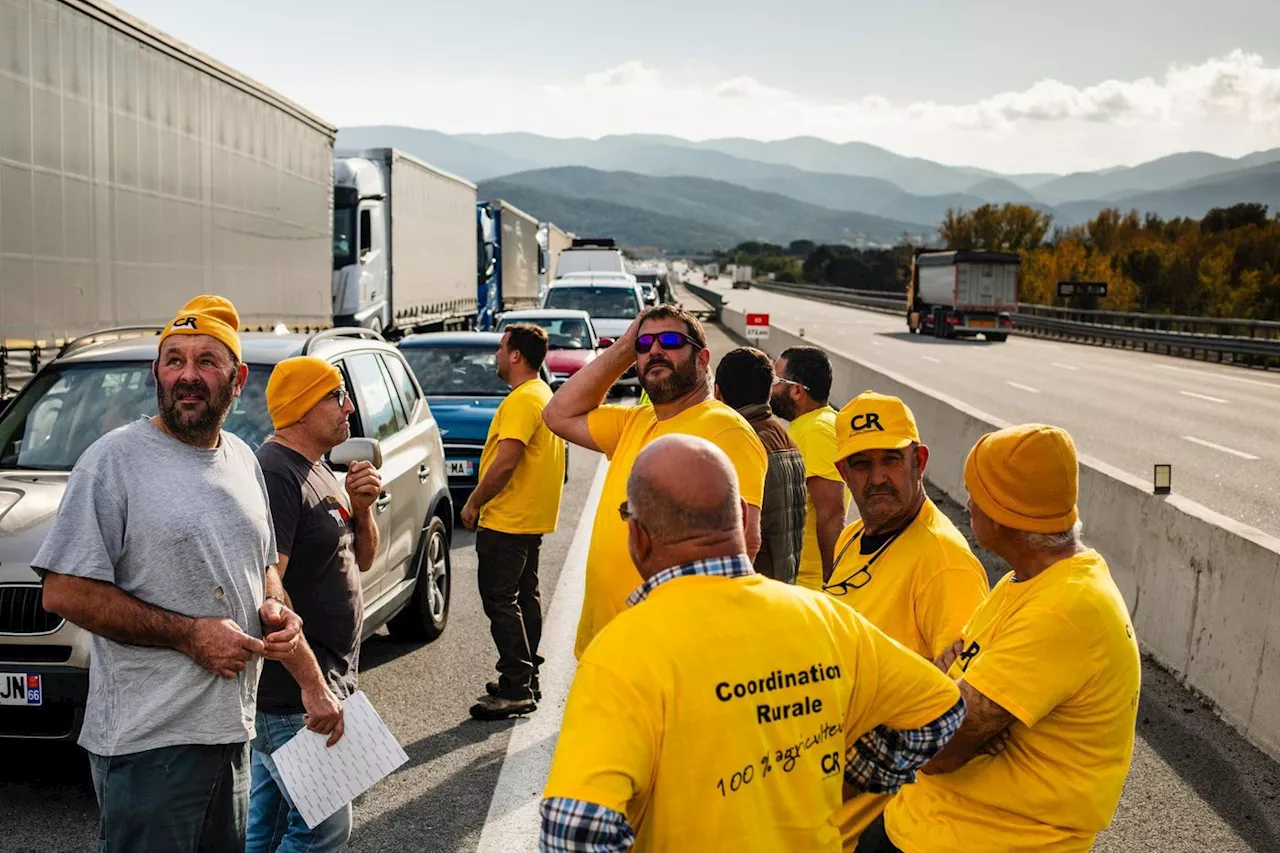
20, 688
461, 467
982, 323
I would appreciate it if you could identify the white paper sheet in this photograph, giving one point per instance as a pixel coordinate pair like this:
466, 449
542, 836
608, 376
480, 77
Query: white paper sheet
320, 780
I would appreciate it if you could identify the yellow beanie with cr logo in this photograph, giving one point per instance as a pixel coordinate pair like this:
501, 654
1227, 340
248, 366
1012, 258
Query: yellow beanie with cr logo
1026, 478
296, 385
208, 315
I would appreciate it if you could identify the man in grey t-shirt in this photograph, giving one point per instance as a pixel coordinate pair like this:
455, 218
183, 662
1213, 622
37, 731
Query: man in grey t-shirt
161, 549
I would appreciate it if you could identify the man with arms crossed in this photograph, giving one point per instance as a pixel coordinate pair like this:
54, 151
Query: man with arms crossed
160, 549
724, 711
516, 501
903, 565
669, 349
800, 396
1048, 665
325, 539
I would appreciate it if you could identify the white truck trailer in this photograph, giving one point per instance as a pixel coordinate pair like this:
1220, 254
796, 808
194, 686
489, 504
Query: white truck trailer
404, 243
552, 240
956, 294
136, 173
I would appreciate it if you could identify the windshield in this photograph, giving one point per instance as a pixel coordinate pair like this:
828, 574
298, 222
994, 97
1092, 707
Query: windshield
562, 332
457, 371
608, 303
64, 411
344, 237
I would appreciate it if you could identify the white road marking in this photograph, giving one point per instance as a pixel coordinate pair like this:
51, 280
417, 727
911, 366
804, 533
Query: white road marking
1202, 396
931, 358
877, 343
1224, 376
1065, 366
1022, 387
513, 822
1201, 441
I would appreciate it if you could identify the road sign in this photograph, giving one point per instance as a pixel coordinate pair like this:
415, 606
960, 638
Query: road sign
1081, 288
757, 327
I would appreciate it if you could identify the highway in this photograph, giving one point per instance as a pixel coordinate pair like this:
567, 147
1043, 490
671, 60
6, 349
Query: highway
468, 786
1215, 424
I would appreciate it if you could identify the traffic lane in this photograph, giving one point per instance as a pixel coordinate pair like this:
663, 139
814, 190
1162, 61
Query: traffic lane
1131, 424
1194, 784
437, 801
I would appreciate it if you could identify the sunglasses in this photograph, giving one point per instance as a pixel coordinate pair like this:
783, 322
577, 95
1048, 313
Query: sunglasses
778, 380
668, 340
340, 395
624, 510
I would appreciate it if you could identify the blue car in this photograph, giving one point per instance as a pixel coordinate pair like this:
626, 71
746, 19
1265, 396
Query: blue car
458, 372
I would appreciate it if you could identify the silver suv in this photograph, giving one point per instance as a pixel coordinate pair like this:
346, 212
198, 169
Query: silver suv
103, 381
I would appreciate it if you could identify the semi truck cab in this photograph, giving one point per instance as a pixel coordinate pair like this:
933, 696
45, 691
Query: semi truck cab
359, 244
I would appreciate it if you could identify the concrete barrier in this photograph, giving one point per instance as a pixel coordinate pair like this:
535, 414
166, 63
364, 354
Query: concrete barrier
1203, 590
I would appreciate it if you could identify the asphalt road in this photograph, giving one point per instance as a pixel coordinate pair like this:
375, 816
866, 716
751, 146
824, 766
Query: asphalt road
1194, 784
1215, 424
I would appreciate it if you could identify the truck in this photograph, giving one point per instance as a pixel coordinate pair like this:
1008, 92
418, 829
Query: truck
742, 277
591, 254
404, 247
507, 240
552, 240
960, 294
141, 173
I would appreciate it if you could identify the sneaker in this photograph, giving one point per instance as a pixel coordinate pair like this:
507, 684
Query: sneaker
500, 708
493, 689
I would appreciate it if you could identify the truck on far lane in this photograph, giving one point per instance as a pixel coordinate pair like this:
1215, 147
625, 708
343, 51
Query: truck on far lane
507, 240
957, 294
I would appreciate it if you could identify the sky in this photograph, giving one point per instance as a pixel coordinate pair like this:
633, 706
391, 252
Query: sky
1016, 87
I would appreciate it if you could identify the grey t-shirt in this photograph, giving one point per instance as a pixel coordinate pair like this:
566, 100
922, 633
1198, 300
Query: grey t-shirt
182, 528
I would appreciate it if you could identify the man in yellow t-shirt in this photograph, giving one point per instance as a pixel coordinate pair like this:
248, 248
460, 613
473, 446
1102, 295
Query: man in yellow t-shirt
688, 727
1049, 668
800, 396
669, 349
516, 501
903, 565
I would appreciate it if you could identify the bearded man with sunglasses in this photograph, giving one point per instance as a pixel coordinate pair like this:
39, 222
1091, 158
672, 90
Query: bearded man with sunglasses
903, 565
668, 347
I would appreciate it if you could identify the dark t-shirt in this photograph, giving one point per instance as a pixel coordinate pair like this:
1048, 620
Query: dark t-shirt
313, 526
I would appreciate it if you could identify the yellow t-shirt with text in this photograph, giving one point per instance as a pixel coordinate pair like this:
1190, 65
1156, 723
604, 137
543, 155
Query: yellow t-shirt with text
709, 733
920, 590
530, 502
1057, 652
622, 432
815, 434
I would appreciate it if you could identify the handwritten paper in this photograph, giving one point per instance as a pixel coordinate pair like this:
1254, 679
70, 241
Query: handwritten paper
320, 780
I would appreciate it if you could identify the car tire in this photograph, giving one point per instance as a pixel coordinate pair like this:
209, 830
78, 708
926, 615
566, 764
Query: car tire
428, 612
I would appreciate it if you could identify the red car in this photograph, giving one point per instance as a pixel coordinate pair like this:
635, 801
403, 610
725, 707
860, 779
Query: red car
571, 337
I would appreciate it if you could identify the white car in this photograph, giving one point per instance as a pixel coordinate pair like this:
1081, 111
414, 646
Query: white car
612, 303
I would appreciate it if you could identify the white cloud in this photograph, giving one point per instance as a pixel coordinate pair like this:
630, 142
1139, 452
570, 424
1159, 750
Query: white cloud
1229, 105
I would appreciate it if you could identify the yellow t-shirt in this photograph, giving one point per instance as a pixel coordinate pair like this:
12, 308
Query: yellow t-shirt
530, 502
622, 432
815, 434
1057, 652
709, 733
921, 590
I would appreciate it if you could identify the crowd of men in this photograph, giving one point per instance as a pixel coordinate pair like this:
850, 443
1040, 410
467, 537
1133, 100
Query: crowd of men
753, 673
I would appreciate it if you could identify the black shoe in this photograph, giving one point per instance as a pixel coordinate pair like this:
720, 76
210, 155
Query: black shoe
501, 708
494, 689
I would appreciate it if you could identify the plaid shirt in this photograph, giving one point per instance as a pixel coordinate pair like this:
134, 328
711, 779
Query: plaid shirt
881, 761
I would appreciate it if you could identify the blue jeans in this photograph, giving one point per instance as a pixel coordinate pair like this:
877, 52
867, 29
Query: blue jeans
275, 826
174, 799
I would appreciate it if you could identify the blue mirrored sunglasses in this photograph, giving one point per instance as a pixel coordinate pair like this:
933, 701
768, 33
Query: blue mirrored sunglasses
668, 340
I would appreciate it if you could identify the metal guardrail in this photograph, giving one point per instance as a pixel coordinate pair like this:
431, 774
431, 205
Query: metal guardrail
1254, 342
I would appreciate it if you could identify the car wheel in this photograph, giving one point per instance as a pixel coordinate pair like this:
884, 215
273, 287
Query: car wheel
428, 611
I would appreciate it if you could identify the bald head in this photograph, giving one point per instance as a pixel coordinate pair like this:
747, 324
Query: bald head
683, 487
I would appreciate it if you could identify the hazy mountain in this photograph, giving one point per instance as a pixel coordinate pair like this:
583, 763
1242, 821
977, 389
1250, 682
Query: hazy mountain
630, 226
462, 158
1001, 190
717, 204
1164, 173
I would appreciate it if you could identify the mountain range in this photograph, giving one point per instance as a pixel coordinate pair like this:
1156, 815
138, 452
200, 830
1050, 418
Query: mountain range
657, 188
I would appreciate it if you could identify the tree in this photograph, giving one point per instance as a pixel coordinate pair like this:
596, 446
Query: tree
1009, 228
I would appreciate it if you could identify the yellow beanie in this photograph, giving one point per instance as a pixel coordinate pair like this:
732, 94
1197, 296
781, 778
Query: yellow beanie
207, 315
1025, 477
296, 385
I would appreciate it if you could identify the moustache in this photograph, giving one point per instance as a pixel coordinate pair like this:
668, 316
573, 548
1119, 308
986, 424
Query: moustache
872, 491
655, 362
190, 389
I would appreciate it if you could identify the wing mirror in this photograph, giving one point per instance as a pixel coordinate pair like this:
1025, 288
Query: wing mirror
606, 342
356, 450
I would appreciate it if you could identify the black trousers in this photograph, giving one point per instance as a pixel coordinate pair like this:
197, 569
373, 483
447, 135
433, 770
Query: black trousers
874, 839
508, 578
